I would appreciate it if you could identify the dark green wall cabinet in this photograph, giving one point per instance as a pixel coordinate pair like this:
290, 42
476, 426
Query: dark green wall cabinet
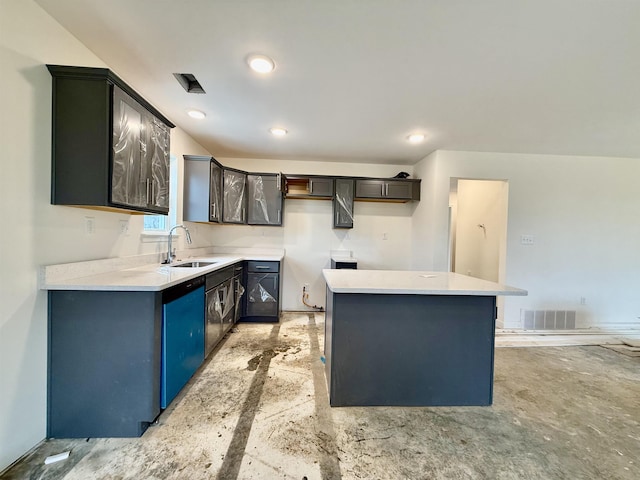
110, 147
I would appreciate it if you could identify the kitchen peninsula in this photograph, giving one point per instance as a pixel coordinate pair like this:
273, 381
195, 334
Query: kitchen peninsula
126, 334
410, 338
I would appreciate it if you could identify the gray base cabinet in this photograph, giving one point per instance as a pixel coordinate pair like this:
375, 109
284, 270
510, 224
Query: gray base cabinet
262, 302
104, 366
110, 146
409, 350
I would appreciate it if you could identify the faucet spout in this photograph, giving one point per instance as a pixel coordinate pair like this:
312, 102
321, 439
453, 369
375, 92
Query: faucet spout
170, 256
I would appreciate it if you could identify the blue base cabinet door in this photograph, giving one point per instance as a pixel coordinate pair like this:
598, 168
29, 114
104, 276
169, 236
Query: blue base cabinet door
182, 342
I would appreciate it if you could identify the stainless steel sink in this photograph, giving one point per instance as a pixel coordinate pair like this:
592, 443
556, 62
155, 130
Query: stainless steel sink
193, 264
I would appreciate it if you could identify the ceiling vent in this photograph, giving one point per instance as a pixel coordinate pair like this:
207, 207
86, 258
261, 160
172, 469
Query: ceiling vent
189, 82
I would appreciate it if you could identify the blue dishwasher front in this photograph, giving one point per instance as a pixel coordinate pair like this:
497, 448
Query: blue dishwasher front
182, 341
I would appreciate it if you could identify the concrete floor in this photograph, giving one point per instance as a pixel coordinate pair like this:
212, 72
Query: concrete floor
258, 409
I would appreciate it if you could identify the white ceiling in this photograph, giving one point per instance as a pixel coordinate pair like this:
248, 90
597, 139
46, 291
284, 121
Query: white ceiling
355, 77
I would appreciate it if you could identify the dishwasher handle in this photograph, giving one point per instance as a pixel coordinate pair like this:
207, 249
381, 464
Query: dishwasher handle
177, 291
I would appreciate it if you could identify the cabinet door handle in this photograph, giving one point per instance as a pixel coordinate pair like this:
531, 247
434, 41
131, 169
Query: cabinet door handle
386, 189
279, 181
382, 189
262, 267
278, 216
213, 210
148, 184
275, 284
310, 186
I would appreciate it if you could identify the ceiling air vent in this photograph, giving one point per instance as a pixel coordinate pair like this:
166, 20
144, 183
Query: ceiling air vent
189, 82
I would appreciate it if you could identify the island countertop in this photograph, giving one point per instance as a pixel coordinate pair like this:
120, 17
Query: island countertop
407, 282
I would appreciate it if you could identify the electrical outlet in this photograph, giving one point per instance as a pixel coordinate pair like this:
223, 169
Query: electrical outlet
124, 227
89, 225
385, 236
583, 301
306, 286
526, 239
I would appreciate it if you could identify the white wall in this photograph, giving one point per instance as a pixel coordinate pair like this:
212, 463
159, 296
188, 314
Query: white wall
34, 232
307, 234
584, 213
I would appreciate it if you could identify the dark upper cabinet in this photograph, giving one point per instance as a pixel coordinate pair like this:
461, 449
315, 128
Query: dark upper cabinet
110, 147
382, 189
308, 186
234, 196
343, 203
264, 199
202, 192
215, 192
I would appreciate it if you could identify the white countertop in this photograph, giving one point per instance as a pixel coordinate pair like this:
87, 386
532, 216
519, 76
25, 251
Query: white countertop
412, 283
151, 277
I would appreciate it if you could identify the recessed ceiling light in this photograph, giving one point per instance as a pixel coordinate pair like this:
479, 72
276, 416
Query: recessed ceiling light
278, 131
415, 137
196, 114
261, 63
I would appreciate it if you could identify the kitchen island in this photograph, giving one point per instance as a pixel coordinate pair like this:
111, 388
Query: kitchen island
410, 338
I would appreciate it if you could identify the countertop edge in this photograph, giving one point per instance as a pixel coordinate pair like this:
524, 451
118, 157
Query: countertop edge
113, 281
412, 282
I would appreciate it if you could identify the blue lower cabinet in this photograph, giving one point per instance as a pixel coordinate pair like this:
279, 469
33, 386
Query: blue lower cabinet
182, 342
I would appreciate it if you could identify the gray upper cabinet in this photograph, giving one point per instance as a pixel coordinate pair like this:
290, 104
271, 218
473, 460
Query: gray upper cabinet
202, 189
234, 196
343, 203
215, 192
110, 146
308, 186
382, 189
140, 173
264, 199
320, 187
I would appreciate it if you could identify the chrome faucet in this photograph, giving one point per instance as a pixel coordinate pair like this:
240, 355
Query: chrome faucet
170, 256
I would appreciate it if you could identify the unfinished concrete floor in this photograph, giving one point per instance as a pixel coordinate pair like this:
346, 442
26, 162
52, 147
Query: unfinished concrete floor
258, 409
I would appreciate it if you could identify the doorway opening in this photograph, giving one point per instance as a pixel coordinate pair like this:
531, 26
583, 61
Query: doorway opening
478, 230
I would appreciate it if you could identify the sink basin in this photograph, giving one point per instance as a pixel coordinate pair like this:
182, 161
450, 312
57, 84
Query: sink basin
193, 264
